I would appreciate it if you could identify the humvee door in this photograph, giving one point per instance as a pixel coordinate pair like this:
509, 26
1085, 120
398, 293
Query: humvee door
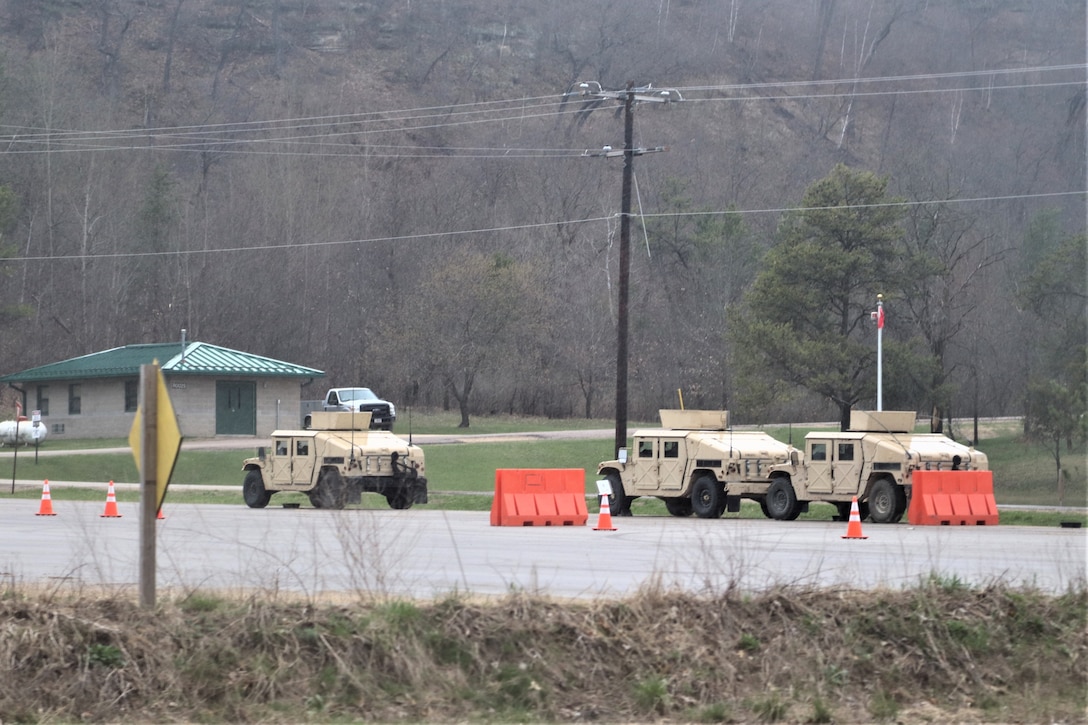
659, 464
292, 461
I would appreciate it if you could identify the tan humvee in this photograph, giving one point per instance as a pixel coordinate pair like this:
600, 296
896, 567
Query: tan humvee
334, 462
874, 461
695, 464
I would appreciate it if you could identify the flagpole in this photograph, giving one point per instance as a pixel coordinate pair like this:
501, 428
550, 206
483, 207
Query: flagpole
880, 352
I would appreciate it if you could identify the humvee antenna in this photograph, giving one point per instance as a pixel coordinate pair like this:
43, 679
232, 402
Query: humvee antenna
352, 457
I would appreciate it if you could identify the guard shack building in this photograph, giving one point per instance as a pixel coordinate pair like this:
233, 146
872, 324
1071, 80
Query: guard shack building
215, 391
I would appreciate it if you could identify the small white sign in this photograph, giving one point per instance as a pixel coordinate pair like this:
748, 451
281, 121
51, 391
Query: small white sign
604, 487
36, 416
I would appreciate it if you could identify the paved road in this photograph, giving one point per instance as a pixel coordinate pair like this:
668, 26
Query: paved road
421, 553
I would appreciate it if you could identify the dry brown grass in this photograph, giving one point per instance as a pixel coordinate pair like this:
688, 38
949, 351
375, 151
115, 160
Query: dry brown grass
938, 653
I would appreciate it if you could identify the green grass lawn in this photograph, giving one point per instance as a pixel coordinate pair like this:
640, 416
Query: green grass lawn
1024, 473
447, 422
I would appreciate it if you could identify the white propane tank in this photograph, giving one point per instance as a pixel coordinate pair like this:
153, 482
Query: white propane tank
28, 433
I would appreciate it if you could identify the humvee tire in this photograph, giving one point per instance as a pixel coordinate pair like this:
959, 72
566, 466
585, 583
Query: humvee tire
707, 498
253, 490
782, 501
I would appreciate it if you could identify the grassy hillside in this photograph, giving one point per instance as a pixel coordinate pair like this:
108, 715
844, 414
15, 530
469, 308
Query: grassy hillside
940, 652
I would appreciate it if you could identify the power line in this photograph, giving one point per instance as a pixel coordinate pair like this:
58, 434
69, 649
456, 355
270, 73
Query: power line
520, 227
222, 146
897, 92
891, 79
789, 209
200, 137
474, 107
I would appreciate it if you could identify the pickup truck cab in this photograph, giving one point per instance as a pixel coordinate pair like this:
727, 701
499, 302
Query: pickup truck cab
353, 400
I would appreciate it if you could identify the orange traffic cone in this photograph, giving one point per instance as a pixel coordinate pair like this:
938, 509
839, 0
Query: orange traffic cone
46, 509
853, 529
604, 519
159, 515
111, 504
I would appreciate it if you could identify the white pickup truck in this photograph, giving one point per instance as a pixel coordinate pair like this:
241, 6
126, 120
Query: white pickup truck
357, 400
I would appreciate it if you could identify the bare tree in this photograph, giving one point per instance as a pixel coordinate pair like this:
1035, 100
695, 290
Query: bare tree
944, 258
468, 317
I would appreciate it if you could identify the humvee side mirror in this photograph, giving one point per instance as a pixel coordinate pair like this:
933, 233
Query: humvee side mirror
260, 452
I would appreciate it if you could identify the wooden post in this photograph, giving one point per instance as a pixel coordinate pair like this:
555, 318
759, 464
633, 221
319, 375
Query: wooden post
149, 454
15, 455
625, 268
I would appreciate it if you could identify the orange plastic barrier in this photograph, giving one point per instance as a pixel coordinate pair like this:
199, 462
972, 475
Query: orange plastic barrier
952, 498
539, 497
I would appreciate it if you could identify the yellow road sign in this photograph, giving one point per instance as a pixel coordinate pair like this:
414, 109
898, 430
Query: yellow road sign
167, 439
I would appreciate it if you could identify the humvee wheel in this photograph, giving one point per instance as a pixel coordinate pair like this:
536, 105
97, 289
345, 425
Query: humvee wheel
678, 506
399, 499
253, 491
887, 502
707, 498
329, 492
618, 503
782, 500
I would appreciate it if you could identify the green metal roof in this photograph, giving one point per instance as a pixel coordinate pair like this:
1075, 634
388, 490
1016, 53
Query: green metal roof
197, 358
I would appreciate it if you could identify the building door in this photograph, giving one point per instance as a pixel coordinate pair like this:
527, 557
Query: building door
235, 408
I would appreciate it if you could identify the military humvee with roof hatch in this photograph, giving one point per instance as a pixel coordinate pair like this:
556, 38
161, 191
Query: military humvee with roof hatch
873, 461
334, 462
694, 463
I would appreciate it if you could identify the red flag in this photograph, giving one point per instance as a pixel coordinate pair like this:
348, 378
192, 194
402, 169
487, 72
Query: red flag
880, 317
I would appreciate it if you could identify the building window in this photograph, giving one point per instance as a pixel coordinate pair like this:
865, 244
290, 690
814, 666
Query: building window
43, 399
74, 402
132, 396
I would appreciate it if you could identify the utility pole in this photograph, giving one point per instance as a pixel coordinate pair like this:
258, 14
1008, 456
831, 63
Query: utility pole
625, 269
629, 96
